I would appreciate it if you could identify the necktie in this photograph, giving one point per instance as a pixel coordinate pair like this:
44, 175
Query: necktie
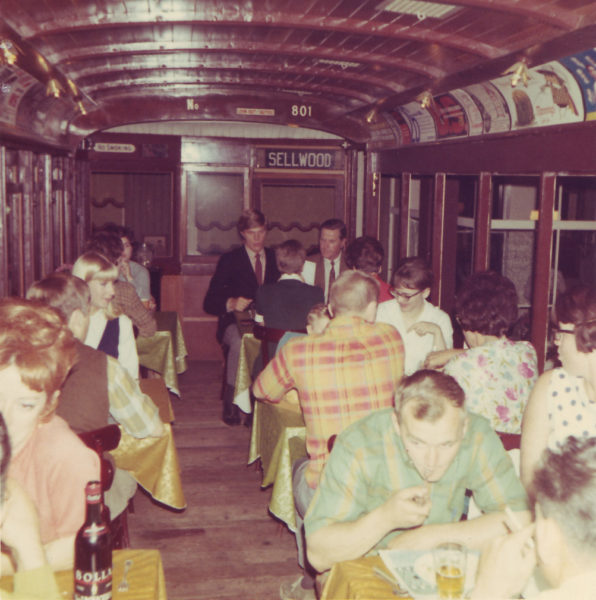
259, 269
331, 274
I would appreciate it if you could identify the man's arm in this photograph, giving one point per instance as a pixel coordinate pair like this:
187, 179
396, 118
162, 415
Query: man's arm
275, 379
129, 302
135, 411
510, 555
351, 539
474, 533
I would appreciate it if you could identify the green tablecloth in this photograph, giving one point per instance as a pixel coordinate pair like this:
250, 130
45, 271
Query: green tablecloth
165, 352
278, 439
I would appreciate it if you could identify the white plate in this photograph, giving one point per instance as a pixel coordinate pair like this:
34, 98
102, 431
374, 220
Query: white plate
425, 569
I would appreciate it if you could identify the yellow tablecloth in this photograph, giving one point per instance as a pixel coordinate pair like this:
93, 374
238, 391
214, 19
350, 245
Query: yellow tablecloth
278, 439
153, 462
165, 352
156, 389
249, 351
145, 577
356, 580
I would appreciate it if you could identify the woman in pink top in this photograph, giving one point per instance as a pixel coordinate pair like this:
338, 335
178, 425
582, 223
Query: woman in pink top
49, 461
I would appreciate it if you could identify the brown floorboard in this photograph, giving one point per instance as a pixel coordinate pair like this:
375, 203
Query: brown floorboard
225, 545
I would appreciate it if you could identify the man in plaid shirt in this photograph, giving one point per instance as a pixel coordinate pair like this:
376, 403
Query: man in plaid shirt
341, 375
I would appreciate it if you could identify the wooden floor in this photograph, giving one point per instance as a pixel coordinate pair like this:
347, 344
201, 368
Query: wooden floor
225, 545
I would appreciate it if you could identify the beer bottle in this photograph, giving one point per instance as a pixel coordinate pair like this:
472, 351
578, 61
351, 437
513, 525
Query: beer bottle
93, 550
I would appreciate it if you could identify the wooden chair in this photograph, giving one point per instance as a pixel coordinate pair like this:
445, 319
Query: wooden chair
270, 335
103, 440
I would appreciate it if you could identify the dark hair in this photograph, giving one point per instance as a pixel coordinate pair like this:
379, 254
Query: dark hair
250, 218
429, 391
62, 291
335, 225
487, 304
365, 254
290, 256
107, 243
413, 273
565, 487
120, 230
578, 306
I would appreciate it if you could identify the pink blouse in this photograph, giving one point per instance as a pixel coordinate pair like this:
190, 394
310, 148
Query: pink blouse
53, 468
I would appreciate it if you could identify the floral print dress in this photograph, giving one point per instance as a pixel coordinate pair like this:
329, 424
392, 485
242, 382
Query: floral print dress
497, 378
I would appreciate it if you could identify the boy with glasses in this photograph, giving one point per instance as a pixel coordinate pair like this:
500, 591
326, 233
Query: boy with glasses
424, 328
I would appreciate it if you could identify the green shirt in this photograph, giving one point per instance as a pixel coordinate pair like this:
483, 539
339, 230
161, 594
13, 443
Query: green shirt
369, 463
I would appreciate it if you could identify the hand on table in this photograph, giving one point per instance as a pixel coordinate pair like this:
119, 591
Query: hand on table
505, 565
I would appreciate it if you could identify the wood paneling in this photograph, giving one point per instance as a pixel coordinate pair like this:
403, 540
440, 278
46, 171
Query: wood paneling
184, 294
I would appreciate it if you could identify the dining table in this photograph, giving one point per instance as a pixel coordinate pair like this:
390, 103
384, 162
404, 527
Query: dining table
153, 462
145, 577
357, 580
250, 347
156, 389
278, 439
165, 351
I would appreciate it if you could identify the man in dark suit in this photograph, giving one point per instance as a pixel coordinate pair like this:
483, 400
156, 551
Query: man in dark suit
233, 288
331, 261
286, 303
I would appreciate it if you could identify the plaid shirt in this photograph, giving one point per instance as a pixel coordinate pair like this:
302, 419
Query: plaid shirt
341, 376
128, 301
369, 463
135, 411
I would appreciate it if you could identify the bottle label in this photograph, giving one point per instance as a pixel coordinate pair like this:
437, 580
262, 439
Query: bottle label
93, 585
95, 530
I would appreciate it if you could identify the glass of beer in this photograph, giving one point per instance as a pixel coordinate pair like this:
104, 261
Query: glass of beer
450, 570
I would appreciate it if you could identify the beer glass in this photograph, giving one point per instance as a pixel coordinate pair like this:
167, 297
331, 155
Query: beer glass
450, 570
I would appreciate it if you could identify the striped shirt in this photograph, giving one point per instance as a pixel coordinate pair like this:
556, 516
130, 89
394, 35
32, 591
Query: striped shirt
369, 463
135, 411
341, 375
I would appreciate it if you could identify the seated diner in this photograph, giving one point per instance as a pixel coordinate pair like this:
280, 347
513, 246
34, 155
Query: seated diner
49, 461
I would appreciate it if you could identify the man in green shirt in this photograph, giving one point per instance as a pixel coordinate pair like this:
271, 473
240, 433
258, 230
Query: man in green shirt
398, 478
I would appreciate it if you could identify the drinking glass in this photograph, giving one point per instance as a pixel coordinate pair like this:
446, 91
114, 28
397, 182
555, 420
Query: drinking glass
450, 570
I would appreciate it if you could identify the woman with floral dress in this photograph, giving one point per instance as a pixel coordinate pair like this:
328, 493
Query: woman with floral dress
496, 373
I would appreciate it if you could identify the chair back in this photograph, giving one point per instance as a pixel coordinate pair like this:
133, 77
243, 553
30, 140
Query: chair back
510, 441
102, 440
270, 335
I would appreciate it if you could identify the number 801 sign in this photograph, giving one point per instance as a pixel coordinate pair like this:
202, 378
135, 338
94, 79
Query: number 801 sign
301, 110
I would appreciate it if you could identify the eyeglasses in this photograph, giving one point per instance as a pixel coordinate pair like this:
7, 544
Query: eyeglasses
403, 296
558, 332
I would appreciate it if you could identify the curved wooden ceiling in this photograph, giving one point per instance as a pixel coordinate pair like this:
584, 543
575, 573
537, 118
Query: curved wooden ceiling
322, 64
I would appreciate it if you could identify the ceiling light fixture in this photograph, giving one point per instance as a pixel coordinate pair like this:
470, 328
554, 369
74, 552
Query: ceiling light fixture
371, 115
8, 55
519, 72
53, 88
425, 99
421, 10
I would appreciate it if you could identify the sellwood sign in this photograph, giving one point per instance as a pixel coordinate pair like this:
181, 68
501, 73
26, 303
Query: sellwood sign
299, 159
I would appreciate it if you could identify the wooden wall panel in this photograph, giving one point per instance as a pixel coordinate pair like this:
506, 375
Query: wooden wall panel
184, 294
